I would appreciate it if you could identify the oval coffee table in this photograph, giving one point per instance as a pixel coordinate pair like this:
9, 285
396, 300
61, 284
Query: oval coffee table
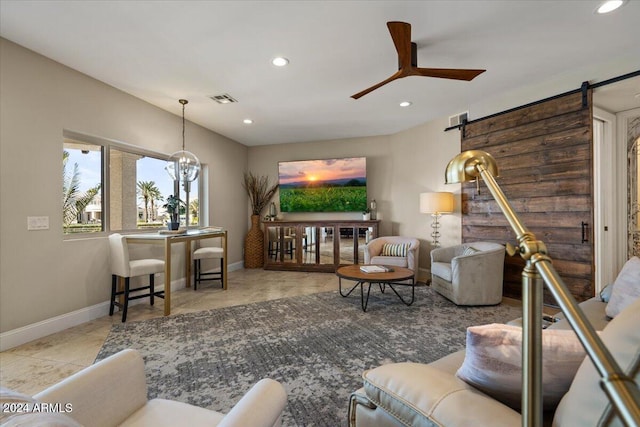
391, 278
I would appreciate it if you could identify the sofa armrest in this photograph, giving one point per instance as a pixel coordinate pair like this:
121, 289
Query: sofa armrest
373, 248
103, 394
262, 406
443, 254
418, 394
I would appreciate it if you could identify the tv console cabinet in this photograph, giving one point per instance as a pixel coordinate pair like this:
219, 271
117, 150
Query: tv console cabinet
316, 245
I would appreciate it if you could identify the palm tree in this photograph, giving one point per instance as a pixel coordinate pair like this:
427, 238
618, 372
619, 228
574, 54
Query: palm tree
194, 207
148, 192
155, 197
73, 201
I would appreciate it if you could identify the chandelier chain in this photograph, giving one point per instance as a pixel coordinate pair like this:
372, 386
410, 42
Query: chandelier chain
183, 102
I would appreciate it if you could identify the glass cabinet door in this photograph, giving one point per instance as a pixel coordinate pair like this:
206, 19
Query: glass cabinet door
318, 245
281, 244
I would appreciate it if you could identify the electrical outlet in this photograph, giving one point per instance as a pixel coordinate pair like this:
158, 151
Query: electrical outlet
37, 223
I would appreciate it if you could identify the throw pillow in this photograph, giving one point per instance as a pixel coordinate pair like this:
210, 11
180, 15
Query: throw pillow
395, 249
493, 363
469, 250
626, 288
605, 293
586, 403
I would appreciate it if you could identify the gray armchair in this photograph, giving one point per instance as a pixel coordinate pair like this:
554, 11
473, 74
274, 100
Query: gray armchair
373, 252
469, 274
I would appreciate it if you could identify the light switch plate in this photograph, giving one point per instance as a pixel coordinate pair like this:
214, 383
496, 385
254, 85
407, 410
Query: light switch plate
37, 223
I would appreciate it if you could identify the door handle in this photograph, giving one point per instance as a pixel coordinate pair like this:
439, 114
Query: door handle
585, 232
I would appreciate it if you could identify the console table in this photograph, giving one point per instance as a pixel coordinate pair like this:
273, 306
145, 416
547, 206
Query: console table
187, 237
316, 245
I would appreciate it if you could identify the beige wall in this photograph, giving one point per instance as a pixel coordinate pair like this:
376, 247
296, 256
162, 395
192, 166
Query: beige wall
399, 168
43, 275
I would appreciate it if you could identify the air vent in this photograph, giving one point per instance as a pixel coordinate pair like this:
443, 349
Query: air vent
223, 99
458, 119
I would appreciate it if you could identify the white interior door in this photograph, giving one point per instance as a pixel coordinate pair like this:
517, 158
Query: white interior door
605, 227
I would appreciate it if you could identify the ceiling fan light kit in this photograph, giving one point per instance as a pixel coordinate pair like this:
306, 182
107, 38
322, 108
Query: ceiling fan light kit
408, 61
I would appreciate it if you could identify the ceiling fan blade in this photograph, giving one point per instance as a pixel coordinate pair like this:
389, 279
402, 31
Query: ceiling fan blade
395, 76
401, 35
447, 73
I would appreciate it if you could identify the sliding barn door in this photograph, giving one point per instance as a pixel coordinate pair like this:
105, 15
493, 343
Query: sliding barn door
544, 155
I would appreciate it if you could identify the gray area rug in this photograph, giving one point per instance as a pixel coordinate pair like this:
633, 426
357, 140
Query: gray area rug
316, 345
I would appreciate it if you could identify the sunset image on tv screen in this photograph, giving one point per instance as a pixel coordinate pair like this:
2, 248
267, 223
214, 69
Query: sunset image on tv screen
329, 185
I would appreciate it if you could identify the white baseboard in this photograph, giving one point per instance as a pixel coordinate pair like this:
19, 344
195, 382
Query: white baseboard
235, 266
19, 336
424, 275
25, 334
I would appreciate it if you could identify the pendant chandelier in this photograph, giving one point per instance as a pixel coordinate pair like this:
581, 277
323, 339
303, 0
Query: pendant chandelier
183, 165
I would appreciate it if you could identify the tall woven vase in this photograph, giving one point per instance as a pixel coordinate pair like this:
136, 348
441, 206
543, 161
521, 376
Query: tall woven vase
254, 245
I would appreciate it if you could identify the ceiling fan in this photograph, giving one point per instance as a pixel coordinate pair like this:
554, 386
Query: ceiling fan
408, 61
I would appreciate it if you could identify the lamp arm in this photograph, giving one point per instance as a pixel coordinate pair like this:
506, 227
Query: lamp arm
620, 389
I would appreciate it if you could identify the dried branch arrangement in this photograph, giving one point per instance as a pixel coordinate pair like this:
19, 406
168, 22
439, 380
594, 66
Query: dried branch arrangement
260, 191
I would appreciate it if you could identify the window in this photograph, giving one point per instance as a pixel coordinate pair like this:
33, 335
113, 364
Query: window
111, 186
81, 187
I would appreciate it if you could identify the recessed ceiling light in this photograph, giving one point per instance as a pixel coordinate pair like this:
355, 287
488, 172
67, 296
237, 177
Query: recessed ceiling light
609, 6
405, 103
247, 121
280, 61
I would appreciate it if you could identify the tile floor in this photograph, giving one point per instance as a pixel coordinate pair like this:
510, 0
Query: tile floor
37, 365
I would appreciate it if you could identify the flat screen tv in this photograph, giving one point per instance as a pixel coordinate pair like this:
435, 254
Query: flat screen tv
329, 185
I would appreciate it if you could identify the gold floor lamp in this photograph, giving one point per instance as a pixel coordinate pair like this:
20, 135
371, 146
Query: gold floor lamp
621, 390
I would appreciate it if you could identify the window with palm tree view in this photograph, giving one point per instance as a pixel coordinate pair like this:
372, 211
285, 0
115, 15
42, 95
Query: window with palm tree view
135, 197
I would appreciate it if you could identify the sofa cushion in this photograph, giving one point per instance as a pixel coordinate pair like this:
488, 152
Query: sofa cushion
389, 260
420, 395
593, 309
586, 404
161, 412
493, 362
395, 249
626, 288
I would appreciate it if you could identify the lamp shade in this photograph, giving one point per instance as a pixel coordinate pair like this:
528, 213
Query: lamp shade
463, 167
439, 202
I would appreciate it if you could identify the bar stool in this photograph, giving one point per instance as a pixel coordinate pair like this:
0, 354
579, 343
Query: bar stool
123, 267
207, 253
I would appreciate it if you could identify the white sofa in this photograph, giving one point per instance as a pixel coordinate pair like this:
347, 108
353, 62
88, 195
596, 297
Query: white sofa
413, 394
113, 392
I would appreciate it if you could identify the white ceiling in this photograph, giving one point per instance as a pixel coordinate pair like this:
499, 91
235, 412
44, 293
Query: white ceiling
161, 51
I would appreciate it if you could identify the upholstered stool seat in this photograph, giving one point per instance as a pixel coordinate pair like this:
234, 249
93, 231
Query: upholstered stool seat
207, 253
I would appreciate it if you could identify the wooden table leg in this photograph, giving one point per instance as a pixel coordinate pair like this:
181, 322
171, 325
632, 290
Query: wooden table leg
187, 260
226, 260
167, 277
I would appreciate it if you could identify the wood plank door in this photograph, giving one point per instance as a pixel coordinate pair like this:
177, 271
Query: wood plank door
544, 155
